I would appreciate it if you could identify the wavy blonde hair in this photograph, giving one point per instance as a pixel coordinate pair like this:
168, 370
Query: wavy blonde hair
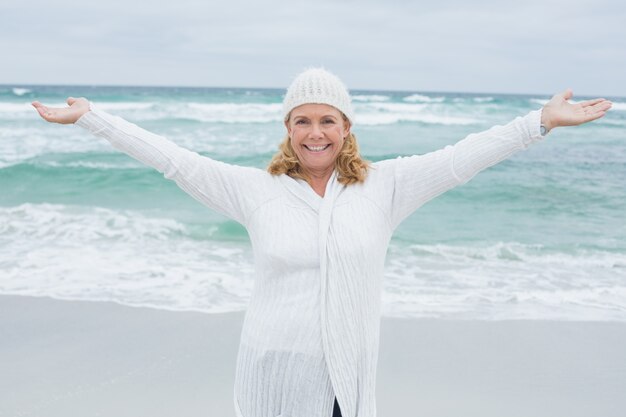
349, 164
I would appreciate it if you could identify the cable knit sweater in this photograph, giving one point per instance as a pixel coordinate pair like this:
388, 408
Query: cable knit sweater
311, 330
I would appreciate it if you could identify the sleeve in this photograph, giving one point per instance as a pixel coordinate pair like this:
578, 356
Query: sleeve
228, 189
420, 178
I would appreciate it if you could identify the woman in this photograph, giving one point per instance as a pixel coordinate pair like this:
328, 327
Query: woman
320, 220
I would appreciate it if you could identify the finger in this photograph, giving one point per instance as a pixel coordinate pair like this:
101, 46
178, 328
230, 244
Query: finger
567, 94
70, 100
595, 112
600, 106
591, 102
45, 112
594, 116
41, 109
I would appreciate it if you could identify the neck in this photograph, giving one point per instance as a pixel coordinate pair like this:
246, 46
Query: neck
319, 179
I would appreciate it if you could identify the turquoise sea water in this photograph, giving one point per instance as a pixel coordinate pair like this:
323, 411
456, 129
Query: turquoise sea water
540, 235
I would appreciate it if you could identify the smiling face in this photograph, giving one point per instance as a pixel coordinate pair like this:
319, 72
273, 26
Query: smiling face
317, 132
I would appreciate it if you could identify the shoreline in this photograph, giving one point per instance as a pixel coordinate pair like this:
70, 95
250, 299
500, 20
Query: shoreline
84, 358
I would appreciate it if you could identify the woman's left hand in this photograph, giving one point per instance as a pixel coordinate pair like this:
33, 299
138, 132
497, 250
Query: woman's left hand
560, 112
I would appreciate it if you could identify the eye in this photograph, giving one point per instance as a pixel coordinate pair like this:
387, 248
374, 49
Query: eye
328, 121
300, 122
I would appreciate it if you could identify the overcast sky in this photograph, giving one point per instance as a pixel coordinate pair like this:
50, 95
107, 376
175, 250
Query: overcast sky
533, 47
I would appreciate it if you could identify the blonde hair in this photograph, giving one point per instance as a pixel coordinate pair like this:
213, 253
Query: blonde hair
351, 168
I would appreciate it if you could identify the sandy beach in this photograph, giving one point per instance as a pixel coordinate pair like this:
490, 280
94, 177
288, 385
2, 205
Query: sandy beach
74, 358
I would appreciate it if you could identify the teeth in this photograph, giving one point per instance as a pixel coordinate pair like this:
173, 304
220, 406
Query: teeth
316, 148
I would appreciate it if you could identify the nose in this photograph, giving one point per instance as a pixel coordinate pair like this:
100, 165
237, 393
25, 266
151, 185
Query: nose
316, 130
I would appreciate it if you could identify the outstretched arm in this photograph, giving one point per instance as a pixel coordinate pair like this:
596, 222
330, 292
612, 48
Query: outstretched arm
231, 190
420, 178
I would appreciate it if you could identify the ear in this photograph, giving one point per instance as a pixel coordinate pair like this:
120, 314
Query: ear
288, 127
346, 127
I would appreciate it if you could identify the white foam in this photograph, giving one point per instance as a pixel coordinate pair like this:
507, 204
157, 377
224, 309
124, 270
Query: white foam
20, 91
204, 112
390, 113
420, 98
125, 105
234, 112
127, 164
504, 281
97, 254
368, 112
483, 99
618, 106
387, 119
40, 139
231, 113
370, 97
10, 107
18, 144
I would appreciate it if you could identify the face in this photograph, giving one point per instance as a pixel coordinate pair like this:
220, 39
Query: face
317, 132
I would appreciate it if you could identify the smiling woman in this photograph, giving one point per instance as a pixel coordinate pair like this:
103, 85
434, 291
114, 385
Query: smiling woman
346, 159
319, 117
317, 133
320, 220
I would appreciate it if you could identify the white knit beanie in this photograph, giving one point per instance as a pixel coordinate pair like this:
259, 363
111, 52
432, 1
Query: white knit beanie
316, 85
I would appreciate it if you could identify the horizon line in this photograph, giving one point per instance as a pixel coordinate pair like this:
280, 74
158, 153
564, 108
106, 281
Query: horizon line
18, 85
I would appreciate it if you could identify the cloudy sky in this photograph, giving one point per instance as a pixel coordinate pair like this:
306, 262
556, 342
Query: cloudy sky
534, 47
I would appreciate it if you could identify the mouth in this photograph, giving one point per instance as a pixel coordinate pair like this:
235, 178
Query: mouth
317, 149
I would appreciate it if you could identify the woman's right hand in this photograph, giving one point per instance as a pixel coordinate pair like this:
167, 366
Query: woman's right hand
77, 107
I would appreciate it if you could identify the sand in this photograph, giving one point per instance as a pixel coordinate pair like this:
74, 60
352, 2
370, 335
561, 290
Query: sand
74, 358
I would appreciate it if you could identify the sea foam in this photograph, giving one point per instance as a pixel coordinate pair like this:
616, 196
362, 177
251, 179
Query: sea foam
97, 254
507, 280
368, 112
134, 259
617, 105
20, 91
391, 113
420, 98
370, 97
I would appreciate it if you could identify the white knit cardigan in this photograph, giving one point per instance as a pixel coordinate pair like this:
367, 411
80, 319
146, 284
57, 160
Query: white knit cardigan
311, 330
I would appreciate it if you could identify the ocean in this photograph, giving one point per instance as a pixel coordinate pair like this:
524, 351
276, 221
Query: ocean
539, 236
